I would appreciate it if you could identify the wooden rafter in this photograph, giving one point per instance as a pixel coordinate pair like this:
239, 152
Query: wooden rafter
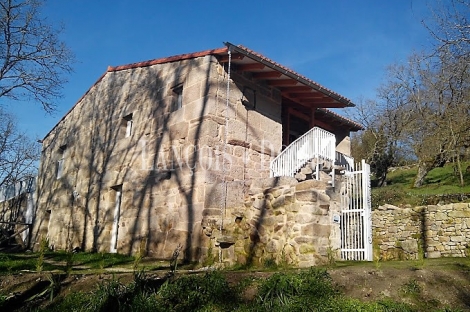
282, 82
286, 90
235, 56
249, 67
315, 100
306, 95
268, 74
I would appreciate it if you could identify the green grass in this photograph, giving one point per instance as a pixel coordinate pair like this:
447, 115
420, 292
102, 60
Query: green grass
61, 260
288, 290
306, 290
399, 190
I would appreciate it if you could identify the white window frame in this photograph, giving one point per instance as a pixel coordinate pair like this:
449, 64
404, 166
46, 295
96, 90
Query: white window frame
129, 128
128, 123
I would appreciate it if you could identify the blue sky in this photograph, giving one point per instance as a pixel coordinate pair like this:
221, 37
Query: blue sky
344, 45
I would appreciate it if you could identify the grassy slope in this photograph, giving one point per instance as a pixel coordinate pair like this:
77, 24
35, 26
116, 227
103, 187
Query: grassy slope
428, 285
440, 181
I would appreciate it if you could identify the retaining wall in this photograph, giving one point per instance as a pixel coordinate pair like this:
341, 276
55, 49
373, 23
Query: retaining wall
433, 231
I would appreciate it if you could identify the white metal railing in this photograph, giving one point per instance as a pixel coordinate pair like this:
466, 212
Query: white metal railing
356, 220
347, 162
10, 191
316, 143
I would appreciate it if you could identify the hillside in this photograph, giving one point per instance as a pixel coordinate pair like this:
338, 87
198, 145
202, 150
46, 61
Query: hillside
441, 186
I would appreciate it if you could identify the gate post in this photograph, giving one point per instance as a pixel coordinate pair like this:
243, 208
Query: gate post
367, 206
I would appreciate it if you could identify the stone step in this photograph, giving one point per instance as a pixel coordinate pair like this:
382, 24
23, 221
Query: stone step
300, 176
308, 172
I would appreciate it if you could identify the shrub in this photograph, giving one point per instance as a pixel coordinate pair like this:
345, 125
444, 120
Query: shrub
198, 292
294, 290
381, 196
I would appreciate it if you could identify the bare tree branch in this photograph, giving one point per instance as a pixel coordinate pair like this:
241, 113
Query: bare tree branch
18, 153
33, 60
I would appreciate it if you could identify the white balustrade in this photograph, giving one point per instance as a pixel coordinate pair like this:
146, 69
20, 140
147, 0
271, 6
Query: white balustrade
316, 144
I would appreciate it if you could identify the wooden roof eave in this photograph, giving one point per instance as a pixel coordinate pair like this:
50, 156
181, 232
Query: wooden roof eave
293, 79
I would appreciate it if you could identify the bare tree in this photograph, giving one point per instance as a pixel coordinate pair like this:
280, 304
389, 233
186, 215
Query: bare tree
18, 153
33, 60
424, 105
385, 120
450, 27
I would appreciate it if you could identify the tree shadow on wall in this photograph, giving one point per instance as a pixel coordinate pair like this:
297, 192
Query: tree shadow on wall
159, 206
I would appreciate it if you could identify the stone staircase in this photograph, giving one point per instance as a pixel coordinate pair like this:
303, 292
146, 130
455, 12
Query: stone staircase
326, 171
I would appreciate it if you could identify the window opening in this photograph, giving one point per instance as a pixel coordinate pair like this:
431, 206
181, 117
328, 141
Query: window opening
60, 162
178, 97
127, 124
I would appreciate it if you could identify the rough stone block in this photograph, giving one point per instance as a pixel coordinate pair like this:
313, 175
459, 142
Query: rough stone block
278, 202
410, 246
433, 254
178, 131
293, 207
308, 195
273, 182
460, 214
316, 230
461, 206
304, 240
303, 218
457, 239
272, 246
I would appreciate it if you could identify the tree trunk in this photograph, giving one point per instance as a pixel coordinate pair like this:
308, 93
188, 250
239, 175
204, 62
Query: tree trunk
459, 167
423, 170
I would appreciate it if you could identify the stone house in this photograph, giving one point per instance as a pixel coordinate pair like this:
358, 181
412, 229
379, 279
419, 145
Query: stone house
179, 151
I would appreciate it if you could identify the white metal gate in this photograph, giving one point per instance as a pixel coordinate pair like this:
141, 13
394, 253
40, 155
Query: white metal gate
356, 219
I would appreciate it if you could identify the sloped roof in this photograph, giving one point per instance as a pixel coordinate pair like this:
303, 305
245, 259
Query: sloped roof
293, 86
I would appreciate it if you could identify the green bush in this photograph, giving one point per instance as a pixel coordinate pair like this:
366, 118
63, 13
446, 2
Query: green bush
294, 290
309, 290
386, 195
198, 293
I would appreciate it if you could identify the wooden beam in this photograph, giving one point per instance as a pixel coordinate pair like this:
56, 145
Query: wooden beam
295, 89
285, 127
268, 74
316, 100
305, 95
282, 82
298, 114
312, 117
235, 56
249, 67
323, 125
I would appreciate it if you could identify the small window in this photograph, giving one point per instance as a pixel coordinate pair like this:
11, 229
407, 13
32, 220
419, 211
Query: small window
60, 162
178, 97
127, 125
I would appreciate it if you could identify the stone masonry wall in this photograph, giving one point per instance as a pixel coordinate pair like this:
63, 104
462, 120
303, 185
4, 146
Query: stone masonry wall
194, 176
281, 220
166, 171
434, 231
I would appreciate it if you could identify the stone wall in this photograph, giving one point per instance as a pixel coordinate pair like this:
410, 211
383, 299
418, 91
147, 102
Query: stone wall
434, 231
281, 220
183, 175
167, 170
